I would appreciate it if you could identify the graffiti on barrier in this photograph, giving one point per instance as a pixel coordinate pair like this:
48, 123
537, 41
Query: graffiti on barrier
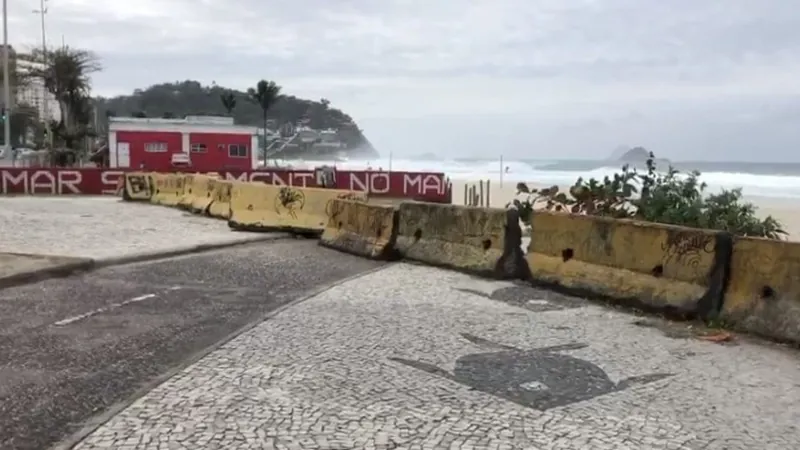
289, 201
210, 185
138, 185
541, 378
222, 194
687, 247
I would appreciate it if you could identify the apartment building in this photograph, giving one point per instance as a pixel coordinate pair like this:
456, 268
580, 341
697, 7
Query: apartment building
33, 92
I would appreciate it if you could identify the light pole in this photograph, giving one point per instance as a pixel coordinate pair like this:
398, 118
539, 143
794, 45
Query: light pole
45, 112
6, 84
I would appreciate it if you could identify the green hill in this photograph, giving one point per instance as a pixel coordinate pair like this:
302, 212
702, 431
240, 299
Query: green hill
190, 97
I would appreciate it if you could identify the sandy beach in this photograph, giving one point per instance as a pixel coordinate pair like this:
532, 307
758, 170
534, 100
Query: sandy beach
787, 211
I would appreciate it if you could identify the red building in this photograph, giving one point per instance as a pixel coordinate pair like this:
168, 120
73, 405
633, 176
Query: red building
203, 143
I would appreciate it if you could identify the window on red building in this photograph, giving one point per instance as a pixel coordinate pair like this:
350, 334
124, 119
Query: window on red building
237, 151
155, 147
199, 148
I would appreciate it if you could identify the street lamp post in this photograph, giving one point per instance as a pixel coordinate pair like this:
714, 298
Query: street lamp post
45, 111
6, 84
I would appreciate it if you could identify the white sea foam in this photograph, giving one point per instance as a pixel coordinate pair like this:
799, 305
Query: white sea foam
777, 186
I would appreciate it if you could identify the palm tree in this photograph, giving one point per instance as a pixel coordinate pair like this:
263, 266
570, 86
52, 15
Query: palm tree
228, 101
65, 73
265, 95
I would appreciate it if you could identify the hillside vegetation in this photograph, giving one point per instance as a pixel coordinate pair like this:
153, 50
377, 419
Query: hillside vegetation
189, 97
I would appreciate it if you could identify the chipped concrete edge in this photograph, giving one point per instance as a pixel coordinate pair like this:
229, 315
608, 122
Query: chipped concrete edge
100, 419
78, 265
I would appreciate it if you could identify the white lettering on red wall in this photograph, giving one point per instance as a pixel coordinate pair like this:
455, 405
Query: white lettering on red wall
300, 179
431, 187
370, 182
110, 180
69, 182
42, 182
10, 183
241, 177
423, 184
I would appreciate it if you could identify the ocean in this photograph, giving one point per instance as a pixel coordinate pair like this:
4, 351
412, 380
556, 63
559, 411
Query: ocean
776, 180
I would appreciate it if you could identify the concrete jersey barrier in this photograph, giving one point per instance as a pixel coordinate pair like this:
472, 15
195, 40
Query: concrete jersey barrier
361, 229
763, 295
263, 207
168, 188
138, 186
478, 240
221, 200
677, 270
186, 199
203, 188
751, 283
195, 192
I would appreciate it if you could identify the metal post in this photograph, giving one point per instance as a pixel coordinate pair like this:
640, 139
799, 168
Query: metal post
501, 171
488, 194
6, 83
45, 109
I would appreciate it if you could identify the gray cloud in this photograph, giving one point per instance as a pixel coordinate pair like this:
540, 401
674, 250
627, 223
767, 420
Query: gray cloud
668, 73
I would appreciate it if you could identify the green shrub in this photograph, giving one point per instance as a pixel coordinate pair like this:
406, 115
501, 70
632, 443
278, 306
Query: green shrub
655, 197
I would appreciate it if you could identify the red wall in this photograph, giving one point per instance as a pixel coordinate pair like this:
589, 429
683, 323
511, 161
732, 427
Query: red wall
431, 187
216, 157
152, 161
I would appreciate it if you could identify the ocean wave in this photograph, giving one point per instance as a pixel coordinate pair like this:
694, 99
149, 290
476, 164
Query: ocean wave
566, 172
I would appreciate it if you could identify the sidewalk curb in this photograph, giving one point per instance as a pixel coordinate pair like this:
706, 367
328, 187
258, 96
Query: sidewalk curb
94, 423
57, 271
164, 254
79, 264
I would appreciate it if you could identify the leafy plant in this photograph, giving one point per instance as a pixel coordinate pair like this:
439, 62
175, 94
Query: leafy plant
669, 197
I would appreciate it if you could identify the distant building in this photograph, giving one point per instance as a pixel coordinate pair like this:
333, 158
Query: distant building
304, 142
204, 143
33, 93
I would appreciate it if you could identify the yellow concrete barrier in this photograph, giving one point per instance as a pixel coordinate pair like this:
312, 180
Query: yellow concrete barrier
168, 188
477, 240
221, 200
187, 198
763, 295
138, 186
263, 207
360, 228
203, 187
677, 270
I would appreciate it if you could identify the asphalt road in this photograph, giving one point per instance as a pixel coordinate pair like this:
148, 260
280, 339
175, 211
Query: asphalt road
70, 348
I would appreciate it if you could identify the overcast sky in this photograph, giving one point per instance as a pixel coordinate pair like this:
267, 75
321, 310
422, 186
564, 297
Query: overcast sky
690, 79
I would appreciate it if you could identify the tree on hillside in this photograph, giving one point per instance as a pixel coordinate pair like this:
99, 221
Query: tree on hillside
228, 100
266, 94
66, 73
